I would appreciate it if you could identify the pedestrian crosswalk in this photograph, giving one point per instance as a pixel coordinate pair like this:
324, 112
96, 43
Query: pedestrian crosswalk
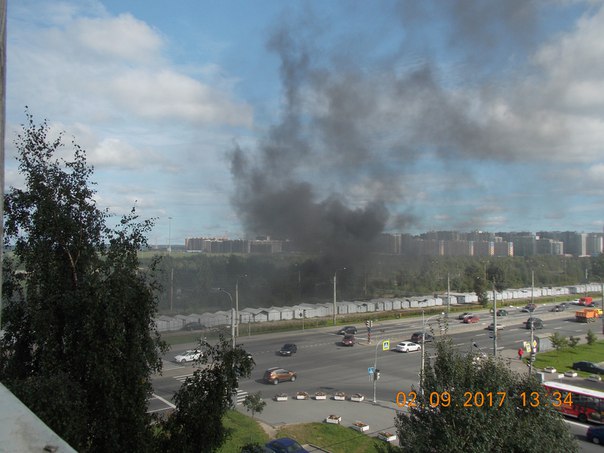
241, 394
183, 377
239, 397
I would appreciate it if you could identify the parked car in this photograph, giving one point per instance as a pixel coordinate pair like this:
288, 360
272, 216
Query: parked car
285, 445
288, 349
595, 434
590, 367
276, 375
417, 337
464, 314
502, 312
352, 330
407, 346
492, 326
534, 323
471, 319
193, 326
188, 356
348, 340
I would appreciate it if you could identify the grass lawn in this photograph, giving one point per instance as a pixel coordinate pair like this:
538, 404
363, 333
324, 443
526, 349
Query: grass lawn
563, 360
245, 430
334, 438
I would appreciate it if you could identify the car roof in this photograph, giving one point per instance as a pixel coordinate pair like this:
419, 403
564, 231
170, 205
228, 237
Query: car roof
283, 442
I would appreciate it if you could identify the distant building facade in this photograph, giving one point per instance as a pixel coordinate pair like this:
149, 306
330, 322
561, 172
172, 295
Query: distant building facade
433, 243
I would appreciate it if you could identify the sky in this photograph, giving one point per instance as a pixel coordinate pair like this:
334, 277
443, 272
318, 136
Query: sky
310, 118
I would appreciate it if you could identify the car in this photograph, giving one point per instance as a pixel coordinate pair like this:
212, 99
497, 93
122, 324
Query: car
285, 445
417, 337
276, 375
557, 308
193, 326
563, 305
464, 314
348, 340
502, 312
534, 323
407, 346
288, 349
492, 326
529, 308
590, 367
595, 434
352, 330
471, 319
188, 356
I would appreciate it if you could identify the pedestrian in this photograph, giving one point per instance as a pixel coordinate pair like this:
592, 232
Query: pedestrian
520, 353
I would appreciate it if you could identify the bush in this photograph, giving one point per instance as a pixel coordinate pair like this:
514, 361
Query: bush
591, 337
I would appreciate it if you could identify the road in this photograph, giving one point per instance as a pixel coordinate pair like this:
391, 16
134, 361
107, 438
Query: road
322, 364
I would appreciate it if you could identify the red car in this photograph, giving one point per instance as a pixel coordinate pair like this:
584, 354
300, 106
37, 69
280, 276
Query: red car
348, 340
471, 319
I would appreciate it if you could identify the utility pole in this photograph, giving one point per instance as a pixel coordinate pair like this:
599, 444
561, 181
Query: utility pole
531, 320
494, 321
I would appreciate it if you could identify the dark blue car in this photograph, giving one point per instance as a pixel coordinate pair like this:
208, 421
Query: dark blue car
595, 434
285, 445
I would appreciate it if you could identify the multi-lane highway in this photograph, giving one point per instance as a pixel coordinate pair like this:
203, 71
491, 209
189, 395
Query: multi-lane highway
322, 364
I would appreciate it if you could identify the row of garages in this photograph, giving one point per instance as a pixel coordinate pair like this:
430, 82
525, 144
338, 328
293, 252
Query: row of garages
256, 315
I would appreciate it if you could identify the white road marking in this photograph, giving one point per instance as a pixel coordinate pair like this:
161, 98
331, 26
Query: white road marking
165, 401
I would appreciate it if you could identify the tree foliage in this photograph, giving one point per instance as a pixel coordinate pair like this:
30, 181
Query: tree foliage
254, 403
80, 344
558, 341
204, 398
513, 426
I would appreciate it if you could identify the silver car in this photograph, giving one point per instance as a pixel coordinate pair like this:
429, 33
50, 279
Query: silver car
188, 356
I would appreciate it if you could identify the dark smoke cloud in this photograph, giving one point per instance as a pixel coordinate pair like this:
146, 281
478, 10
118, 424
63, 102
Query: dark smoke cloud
328, 173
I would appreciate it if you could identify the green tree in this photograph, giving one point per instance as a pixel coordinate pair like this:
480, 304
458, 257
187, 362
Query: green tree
573, 341
254, 403
79, 346
203, 399
496, 276
479, 283
591, 337
558, 341
461, 410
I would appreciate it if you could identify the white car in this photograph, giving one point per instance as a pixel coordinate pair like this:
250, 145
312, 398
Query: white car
407, 346
188, 356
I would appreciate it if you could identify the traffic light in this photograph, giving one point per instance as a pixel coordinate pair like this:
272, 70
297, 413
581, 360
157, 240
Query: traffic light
367, 323
376, 374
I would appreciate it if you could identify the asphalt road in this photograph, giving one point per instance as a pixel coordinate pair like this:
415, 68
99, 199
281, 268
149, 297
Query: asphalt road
322, 364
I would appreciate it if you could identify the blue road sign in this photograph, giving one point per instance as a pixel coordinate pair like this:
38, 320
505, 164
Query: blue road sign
370, 370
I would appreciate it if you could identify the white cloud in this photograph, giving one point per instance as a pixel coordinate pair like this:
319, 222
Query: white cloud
104, 68
167, 94
123, 38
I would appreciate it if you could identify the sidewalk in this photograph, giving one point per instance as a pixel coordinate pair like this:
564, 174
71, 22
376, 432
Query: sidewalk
379, 416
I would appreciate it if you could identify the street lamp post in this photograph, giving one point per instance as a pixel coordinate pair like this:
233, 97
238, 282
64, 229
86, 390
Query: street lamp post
531, 320
169, 234
232, 316
494, 321
421, 373
237, 303
303, 317
335, 286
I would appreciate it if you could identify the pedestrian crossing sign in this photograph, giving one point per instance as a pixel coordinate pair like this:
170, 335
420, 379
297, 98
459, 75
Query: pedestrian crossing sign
385, 345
